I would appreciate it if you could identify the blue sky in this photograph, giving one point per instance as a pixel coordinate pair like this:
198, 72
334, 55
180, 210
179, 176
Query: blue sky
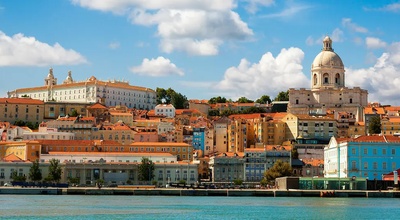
200, 48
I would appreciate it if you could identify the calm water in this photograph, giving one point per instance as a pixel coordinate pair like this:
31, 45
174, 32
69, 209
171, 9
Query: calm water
171, 207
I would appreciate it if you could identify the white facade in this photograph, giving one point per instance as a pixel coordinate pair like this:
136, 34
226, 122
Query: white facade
110, 93
166, 110
328, 90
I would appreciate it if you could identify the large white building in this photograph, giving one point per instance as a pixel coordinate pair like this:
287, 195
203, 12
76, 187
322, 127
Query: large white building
328, 91
92, 90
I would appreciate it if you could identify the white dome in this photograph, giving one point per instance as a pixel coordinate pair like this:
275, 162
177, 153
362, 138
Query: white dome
327, 58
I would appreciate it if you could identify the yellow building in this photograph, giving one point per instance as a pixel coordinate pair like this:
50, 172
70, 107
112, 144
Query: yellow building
269, 131
358, 129
237, 135
52, 109
312, 127
390, 125
25, 109
182, 151
26, 150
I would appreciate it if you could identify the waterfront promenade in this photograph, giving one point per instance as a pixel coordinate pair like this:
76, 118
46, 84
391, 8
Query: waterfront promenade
198, 192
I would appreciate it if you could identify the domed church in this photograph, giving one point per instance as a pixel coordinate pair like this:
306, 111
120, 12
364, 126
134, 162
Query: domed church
328, 91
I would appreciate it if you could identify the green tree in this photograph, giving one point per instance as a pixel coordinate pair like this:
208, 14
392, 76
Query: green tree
213, 112
179, 101
253, 109
215, 100
146, 170
169, 96
34, 172
374, 126
17, 178
264, 99
54, 171
244, 100
279, 169
295, 154
73, 113
282, 96
238, 182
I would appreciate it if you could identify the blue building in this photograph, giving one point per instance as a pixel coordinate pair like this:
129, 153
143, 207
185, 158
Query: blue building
364, 157
199, 135
259, 160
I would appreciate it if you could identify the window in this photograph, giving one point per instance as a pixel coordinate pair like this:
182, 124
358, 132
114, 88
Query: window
353, 151
393, 151
384, 165
353, 165
384, 151
375, 165
365, 151
374, 151
365, 165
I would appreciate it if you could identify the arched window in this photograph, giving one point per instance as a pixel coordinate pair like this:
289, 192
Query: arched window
326, 78
315, 79
297, 101
337, 78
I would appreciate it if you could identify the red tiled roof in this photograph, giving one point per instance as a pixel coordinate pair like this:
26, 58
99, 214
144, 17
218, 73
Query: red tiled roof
97, 106
27, 101
78, 142
11, 158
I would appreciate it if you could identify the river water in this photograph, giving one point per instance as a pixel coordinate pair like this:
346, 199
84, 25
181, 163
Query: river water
185, 207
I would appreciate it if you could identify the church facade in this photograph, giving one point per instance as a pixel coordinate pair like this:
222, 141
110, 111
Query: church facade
328, 91
92, 90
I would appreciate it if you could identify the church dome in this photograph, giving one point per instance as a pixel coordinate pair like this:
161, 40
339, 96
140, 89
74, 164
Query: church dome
327, 58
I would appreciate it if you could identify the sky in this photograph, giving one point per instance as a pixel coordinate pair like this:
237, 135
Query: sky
200, 48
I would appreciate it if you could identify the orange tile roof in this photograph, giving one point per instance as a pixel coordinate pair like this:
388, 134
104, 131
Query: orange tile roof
374, 110
231, 154
97, 106
313, 162
392, 108
109, 153
372, 138
394, 119
27, 101
11, 158
78, 142
159, 144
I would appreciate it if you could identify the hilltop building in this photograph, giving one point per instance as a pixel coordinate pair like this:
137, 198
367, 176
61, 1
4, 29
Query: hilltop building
328, 89
92, 90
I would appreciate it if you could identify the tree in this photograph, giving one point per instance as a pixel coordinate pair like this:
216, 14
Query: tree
264, 99
34, 172
146, 169
73, 113
169, 96
54, 171
213, 112
244, 100
253, 109
282, 96
17, 178
238, 182
374, 126
279, 169
218, 99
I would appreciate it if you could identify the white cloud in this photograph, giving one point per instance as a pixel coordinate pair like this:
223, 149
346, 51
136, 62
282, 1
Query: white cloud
269, 76
336, 36
374, 43
346, 22
382, 80
197, 27
20, 50
254, 5
290, 11
114, 45
394, 7
157, 67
